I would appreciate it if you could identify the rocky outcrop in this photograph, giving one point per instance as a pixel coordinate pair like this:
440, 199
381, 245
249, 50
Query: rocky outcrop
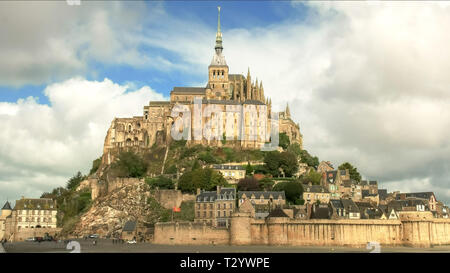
109, 213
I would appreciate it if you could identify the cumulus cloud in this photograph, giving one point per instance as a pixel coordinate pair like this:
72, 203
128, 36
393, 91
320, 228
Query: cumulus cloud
44, 145
43, 42
366, 81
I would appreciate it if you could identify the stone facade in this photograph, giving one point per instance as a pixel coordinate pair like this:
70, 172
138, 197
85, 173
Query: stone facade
416, 231
232, 173
29, 218
215, 207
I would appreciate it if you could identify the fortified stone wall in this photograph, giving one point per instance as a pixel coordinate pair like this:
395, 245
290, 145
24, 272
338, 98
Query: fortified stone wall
244, 230
169, 198
188, 233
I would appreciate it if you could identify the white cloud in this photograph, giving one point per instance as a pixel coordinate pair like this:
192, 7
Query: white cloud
367, 82
45, 145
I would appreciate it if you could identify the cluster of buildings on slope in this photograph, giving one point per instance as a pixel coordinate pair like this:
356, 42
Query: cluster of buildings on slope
231, 105
29, 218
337, 197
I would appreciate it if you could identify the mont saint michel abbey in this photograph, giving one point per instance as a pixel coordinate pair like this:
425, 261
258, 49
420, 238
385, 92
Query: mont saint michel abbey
227, 94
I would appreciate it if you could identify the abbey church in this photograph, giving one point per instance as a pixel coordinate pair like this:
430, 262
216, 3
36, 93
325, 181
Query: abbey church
232, 107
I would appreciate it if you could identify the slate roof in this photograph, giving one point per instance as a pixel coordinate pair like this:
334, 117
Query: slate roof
40, 204
363, 183
320, 212
228, 167
265, 194
342, 172
7, 206
365, 193
349, 205
314, 188
336, 203
235, 76
129, 226
191, 90
373, 183
382, 194
211, 196
277, 212
424, 195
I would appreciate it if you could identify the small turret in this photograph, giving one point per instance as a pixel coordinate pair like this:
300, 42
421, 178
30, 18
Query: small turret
261, 90
287, 111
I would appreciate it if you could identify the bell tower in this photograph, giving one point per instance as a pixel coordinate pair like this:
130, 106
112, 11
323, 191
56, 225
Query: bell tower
218, 86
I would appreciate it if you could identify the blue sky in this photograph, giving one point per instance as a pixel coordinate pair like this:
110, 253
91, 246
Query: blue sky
361, 84
235, 14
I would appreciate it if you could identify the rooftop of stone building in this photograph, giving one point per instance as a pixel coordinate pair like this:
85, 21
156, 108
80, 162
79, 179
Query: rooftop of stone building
32, 203
211, 196
277, 212
314, 188
228, 167
263, 194
7, 206
191, 90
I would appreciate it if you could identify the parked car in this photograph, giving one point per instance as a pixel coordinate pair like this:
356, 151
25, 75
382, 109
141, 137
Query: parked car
132, 242
38, 239
30, 239
93, 236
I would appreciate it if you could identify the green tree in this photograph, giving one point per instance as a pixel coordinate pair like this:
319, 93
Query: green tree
206, 179
130, 164
272, 162
248, 169
248, 184
312, 161
284, 141
224, 139
295, 149
266, 184
95, 165
171, 170
75, 181
289, 164
354, 174
292, 190
312, 177
275, 160
160, 182
196, 165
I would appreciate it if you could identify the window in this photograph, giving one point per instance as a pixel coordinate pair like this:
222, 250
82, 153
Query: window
210, 214
198, 214
218, 206
218, 214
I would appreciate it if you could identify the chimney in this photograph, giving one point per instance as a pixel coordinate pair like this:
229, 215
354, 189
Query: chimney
198, 191
218, 189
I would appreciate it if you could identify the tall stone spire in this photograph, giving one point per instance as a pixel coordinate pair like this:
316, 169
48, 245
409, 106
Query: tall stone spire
218, 58
219, 46
287, 111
